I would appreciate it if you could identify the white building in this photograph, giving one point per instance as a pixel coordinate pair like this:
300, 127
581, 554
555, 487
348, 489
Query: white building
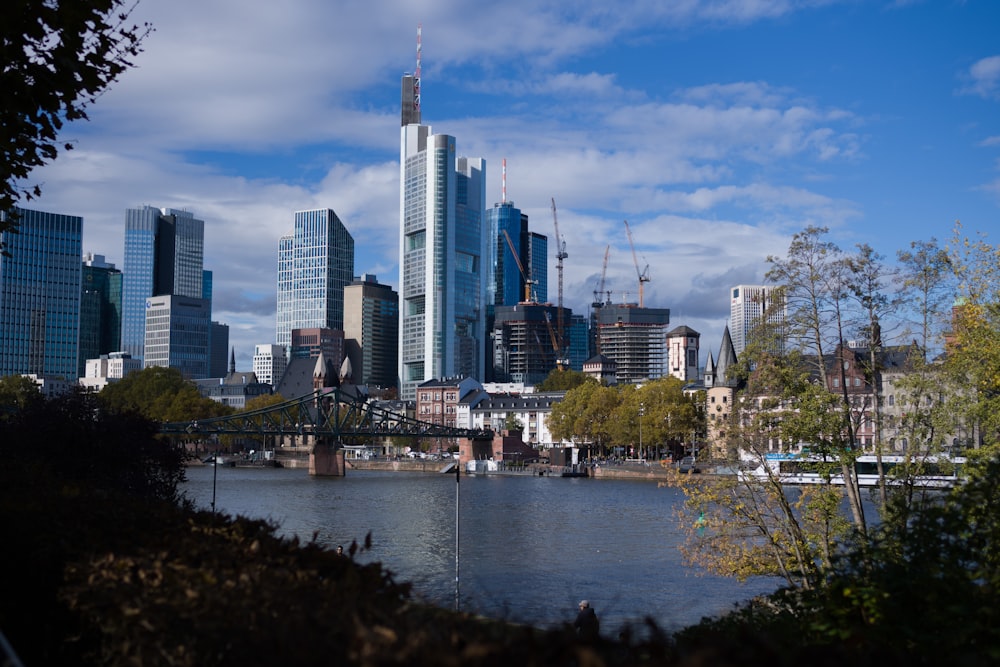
269, 363
442, 249
747, 307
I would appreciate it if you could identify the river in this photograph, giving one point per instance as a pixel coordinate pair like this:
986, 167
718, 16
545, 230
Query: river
529, 548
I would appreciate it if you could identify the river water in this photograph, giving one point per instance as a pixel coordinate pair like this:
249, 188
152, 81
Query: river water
529, 548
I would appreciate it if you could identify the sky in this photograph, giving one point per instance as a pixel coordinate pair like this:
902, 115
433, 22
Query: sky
716, 128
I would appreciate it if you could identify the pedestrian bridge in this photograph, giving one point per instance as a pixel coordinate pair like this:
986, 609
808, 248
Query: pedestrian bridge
327, 413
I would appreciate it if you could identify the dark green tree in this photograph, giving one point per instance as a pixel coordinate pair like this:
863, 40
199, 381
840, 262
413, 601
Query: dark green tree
563, 380
57, 58
160, 394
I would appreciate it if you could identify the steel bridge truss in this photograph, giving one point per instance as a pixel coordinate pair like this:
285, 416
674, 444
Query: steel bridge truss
324, 413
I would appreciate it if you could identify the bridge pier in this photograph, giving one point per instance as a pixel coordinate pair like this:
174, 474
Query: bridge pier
327, 460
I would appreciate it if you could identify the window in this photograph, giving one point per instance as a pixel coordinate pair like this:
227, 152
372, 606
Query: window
836, 382
857, 382
892, 400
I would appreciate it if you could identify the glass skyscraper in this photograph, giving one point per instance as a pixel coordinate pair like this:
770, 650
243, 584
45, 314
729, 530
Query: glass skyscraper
315, 263
441, 257
164, 255
100, 310
40, 286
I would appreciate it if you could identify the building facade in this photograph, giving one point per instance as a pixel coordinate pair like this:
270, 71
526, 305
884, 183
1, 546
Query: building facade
164, 255
177, 334
40, 287
371, 332
442, 251
269, 363
315, 263
525, 343
683, 349
750, 307
635, 339
100, 309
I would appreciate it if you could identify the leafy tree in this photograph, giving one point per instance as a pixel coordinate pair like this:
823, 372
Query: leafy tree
16, 393
58, 58
563, 380
161, 394
973, 357
585, 413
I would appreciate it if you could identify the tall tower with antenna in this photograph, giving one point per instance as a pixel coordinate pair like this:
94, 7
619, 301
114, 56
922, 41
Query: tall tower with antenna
411, 90
442, 249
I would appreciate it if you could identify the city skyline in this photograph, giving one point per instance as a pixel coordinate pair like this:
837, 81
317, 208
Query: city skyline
716, 129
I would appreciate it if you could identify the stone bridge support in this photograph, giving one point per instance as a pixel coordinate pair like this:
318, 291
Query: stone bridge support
327, 460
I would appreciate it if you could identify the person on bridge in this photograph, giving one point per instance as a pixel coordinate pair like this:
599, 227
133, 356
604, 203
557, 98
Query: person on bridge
586, 623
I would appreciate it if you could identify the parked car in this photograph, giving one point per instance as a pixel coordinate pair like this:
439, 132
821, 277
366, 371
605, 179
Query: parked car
688, 464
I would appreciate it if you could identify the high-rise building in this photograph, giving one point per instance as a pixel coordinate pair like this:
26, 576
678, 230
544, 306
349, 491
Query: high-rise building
635, 339
315, 263
164, 255
442, 249
748, 307
525, 343
177, 334
100, 310
218, 348
538, 264
269, 363
371, 332
40, 277
505, 284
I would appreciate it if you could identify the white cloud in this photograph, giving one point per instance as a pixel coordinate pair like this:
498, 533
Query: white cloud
983, 78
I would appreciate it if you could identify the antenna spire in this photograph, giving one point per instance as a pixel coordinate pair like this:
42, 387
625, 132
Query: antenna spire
503, 183
416, 75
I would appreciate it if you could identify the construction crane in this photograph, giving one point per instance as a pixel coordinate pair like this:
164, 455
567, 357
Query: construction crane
644, 274
528, 282
560, 256
599, 292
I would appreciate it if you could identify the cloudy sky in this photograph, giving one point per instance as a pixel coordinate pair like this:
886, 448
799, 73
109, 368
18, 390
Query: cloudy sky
717, 128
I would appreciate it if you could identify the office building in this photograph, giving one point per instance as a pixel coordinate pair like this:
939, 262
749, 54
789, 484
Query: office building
315, 263
749, 306
40, 279
269, 362
635, 339
164, 255
371, 332
441, 255
100, 310
177, 334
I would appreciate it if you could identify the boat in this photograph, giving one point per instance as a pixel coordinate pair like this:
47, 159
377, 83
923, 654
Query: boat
938, 471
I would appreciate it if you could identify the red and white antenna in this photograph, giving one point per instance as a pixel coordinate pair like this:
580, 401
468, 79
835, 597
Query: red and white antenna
416, 76
503, 183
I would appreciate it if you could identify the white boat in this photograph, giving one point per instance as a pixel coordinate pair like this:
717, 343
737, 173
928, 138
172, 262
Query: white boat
936, 471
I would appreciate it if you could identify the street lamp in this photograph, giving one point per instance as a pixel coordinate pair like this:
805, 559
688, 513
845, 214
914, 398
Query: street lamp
642, 410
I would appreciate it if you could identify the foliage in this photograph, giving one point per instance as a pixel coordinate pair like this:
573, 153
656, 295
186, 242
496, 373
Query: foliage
58, 58
16, 392
563, 380
973, 357
161, 394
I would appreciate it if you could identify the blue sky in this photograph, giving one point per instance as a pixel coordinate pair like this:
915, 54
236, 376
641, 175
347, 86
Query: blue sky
717, 129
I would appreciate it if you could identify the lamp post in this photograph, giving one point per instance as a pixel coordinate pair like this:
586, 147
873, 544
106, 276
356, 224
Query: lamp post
642, 411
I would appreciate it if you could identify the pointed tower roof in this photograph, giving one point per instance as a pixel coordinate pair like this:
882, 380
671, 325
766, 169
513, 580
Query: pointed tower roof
346, 371
319, 370
232, 361
727, 357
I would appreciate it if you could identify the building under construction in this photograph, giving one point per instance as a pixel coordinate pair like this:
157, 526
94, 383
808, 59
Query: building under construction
524, 341
634, 338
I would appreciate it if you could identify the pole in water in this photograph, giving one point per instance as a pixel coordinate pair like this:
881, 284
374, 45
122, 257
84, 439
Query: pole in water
458, 471
215, 474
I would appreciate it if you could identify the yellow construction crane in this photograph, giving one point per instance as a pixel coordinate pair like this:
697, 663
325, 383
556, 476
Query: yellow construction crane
560, 256
644, 274
528, 282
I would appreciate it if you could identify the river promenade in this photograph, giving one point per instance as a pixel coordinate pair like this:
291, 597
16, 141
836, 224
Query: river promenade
653, 471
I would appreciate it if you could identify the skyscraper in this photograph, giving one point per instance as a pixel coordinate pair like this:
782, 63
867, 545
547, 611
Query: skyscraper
748, 306
315, 263
100, 310
164, 255
40, 276
442, 249
371, 332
